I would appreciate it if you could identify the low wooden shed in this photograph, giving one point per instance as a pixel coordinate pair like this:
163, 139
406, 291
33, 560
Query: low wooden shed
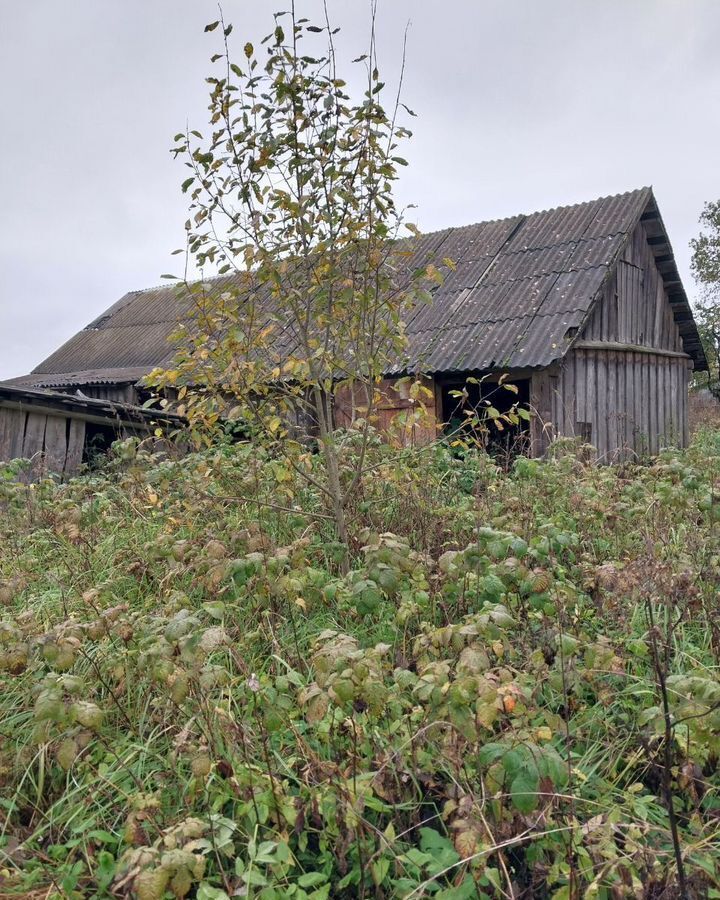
582, 307
58, 432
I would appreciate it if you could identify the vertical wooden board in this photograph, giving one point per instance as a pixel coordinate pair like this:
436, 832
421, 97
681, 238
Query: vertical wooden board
641, 310
662, 400
5, 433
557, 386
602, 389
675, 342
669, 411
17, 437
615, 306
569, 399
658, 302
624, 400
630, 400
625, 303
639, 425
76, 442
12, 428
685, 383
34, 440
675, 400
631, 330
612, 405
437, 400
652, 401
578, 363
591, 411
642, 314
631, 380
538, 399
534, 423
554, 380
55, 443
34, 444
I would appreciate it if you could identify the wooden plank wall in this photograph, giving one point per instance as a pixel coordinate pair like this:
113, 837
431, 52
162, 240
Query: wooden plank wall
634, 308
627, 404
391, 412
53, 443
118, 393
626, 400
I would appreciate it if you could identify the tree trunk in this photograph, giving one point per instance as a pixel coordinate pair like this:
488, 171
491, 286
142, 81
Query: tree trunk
332, 469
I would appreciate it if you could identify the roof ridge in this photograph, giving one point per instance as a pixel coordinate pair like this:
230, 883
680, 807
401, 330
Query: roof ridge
539, 212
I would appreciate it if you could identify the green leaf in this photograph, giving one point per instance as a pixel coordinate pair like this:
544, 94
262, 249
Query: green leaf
380, 869
556, 768
523, 789
312, 879
212, 26
252, 876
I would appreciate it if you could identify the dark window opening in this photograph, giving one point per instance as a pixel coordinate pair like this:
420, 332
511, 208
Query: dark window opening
470, 417
98, 440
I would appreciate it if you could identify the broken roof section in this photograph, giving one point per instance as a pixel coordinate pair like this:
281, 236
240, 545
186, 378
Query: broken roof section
520, 289
88, 409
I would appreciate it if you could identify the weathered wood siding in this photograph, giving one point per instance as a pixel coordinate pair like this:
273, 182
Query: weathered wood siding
394, 411
624, 403
53, 443
624, 386
117, 393
634, 307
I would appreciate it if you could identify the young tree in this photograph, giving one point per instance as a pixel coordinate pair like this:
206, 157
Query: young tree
292, 202
706, 269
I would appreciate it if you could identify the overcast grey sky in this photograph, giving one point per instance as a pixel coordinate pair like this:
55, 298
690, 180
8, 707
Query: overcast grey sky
522, 105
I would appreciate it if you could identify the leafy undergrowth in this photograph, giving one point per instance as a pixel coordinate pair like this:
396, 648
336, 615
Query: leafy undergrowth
501, 699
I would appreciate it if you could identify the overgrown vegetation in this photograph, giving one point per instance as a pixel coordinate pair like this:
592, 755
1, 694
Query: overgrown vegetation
291, 200
513, 692
706, 269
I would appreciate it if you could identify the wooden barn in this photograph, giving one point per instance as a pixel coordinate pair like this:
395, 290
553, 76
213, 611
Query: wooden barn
58, 431
582, 306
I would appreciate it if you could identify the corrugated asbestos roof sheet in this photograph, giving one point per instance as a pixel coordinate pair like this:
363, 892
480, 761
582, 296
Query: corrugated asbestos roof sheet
518, 285
87, 376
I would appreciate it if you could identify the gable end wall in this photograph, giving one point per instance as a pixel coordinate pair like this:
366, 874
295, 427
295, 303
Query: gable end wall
623, 387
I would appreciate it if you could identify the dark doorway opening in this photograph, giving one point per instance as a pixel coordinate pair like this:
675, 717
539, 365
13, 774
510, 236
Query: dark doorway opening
467, 407
98, 440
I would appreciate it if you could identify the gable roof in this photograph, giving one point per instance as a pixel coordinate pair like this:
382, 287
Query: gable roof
519, 285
